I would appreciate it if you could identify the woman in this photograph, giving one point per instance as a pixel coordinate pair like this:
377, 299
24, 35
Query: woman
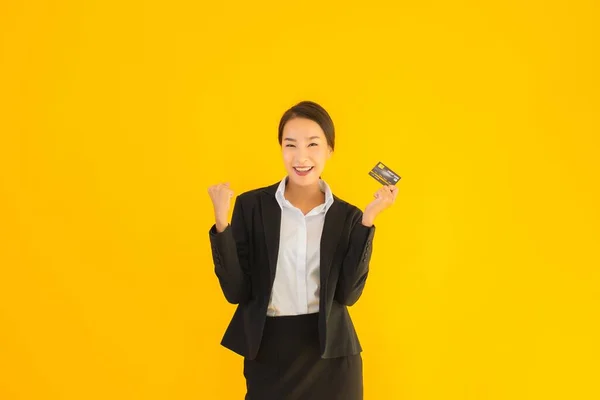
293, 258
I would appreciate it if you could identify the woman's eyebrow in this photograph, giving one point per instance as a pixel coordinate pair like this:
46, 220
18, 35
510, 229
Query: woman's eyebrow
310, 138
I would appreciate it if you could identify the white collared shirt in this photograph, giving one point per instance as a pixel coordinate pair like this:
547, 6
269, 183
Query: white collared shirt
297, 276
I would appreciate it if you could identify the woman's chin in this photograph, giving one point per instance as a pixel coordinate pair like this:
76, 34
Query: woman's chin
305, 180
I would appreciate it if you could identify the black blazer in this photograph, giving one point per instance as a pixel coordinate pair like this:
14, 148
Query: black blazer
245, 259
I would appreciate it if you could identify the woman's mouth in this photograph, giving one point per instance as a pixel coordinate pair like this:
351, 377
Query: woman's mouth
302, 171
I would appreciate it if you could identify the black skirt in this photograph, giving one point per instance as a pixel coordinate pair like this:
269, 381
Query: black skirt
289, 366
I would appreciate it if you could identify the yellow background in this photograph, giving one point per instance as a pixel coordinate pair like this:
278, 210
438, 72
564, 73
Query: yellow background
116, 116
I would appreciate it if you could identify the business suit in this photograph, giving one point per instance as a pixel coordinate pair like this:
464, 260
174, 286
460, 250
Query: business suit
245, 260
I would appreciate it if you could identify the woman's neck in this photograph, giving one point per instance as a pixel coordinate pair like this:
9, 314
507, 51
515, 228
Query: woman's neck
303, 195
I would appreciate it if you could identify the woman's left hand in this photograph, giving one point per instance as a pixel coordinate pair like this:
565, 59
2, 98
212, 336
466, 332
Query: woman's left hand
384, 198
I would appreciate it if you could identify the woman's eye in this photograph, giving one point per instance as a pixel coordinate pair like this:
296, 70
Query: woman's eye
289, 145
312, 144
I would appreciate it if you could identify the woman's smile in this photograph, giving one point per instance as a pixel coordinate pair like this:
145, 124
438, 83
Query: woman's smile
302, 171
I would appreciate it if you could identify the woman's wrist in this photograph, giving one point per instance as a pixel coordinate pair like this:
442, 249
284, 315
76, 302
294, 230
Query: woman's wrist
368, 220
220, 223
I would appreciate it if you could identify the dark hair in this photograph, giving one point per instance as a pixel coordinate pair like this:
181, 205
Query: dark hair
313, 111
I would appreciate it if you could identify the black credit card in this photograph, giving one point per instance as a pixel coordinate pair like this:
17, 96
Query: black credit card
384, 175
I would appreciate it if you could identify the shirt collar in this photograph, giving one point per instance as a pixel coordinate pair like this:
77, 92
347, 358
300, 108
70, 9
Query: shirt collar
283, 202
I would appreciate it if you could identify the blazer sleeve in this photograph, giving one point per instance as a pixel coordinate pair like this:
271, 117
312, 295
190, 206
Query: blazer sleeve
355, 266
230, 250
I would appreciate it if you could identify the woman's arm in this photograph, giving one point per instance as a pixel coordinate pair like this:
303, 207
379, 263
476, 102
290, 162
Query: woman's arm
355, 266
230, 256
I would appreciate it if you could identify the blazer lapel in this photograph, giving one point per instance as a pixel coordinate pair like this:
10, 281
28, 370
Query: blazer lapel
271, 219
330, 237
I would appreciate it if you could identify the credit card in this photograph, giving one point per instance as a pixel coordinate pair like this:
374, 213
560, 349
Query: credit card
384, 175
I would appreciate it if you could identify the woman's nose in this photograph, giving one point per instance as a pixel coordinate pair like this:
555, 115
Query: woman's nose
301, 155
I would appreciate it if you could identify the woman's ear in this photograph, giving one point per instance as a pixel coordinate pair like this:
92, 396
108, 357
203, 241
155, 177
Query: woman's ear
329, 153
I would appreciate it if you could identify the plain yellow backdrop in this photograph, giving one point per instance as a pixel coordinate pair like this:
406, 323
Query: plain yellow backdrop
116, 116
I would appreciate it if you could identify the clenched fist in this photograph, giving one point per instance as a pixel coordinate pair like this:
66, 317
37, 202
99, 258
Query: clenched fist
220, 195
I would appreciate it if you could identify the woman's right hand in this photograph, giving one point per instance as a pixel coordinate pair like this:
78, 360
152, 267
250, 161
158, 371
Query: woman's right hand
221, 195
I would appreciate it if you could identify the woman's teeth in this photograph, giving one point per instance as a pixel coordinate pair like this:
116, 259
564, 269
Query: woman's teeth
303, 169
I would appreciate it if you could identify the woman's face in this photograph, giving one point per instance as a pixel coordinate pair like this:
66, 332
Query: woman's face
305, 151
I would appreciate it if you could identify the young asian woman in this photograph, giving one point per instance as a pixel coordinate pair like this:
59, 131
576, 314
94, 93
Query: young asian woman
293, 258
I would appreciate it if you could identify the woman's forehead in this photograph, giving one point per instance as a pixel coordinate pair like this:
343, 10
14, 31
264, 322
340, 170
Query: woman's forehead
302, 128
